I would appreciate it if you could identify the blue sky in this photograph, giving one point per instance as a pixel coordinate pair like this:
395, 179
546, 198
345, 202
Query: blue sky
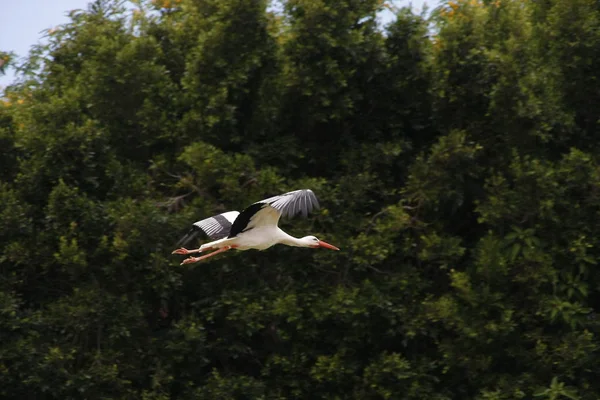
22, 22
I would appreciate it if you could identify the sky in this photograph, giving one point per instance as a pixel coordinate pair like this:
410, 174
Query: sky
22, 22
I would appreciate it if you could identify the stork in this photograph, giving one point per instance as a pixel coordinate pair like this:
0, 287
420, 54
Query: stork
254, 228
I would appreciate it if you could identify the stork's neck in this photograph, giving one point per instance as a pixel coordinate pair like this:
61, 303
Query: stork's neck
289, 240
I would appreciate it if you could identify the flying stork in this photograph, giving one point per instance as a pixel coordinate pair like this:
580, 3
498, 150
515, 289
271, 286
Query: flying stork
255, 227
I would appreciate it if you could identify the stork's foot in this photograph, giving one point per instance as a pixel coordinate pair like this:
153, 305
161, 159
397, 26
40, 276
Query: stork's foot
181, 251
190, 260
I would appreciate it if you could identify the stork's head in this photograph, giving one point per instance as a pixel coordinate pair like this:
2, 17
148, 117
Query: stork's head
312, 241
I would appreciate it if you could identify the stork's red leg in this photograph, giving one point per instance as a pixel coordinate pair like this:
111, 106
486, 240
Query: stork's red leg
185, 251
192, 260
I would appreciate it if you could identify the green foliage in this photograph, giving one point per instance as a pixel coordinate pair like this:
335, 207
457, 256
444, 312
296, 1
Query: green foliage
455, 160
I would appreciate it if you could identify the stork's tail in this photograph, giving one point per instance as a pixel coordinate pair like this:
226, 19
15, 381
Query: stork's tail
217, 244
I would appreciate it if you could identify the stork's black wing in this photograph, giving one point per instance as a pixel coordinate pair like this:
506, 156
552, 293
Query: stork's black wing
289, 204
216, 227
268, 211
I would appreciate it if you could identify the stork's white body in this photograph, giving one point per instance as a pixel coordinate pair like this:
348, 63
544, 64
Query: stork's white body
260, 238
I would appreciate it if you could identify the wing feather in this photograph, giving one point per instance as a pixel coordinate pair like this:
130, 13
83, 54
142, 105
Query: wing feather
215, 227
290, 204
218, 226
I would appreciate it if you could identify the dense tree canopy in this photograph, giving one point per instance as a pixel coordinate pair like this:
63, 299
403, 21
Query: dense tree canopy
455, 157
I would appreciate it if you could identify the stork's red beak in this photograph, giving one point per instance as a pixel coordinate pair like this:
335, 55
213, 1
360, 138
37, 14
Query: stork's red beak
327, 245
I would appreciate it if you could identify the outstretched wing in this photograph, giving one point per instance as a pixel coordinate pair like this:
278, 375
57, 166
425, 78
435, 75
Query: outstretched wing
216, 227
289, 204
268, 211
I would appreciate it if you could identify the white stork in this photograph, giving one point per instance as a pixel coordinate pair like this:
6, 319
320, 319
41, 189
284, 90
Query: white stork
255, 227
